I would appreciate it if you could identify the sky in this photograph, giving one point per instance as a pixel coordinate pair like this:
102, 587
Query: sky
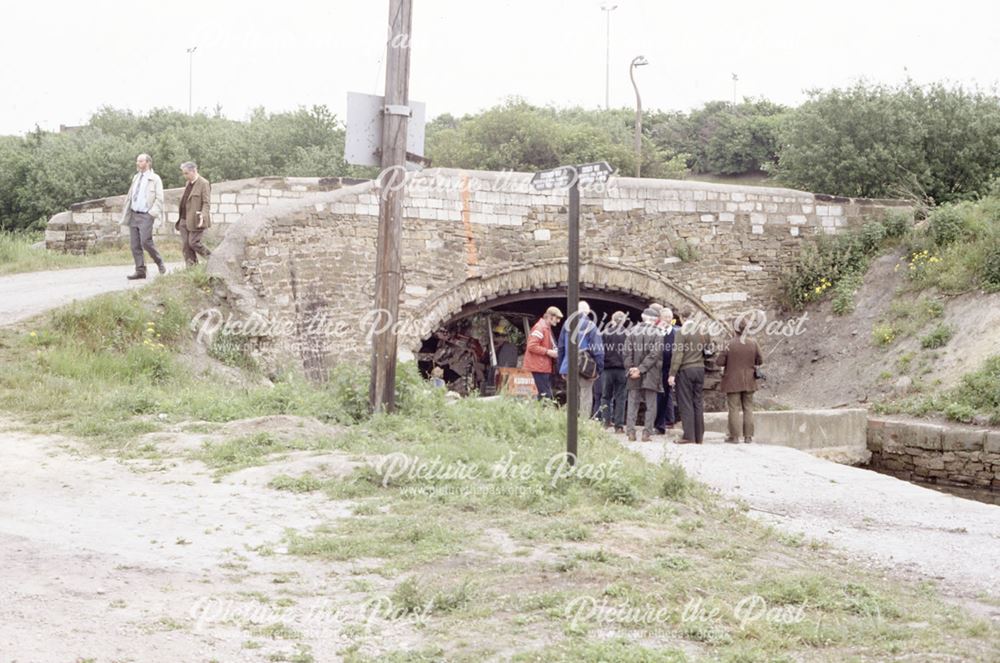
62, 61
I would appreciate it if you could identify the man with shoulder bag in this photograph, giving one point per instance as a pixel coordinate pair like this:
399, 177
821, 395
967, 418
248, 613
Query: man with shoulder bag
590, 356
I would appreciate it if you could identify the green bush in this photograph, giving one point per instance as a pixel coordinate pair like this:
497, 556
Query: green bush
948, 224
991, 270
871, 237
844, 292
883, 334
938, 337
896, 223
832, 259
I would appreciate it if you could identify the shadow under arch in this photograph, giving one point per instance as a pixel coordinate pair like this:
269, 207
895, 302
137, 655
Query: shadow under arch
630, 286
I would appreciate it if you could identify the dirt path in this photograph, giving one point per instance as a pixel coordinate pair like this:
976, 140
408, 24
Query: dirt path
891, 524
25, 295
103, 561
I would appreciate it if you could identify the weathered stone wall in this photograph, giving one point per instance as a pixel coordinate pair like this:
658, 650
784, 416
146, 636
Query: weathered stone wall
472, 236
935, 453
94, 223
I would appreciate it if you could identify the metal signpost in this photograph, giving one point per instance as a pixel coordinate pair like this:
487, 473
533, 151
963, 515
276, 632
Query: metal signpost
573, 177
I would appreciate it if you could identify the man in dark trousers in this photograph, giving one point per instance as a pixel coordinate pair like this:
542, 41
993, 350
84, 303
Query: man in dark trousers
665, 401
644, 363
614, 380
739, 382
687, 375
194, 218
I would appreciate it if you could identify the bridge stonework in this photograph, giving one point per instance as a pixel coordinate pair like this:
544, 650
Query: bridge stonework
307, 266
93, 224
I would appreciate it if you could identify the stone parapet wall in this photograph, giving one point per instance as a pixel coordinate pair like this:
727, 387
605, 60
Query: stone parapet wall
936, 453
94, 223
469, 237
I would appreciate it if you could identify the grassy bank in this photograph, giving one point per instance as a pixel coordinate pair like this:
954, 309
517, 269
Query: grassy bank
18, 254
464, 514
113, 367
976, 399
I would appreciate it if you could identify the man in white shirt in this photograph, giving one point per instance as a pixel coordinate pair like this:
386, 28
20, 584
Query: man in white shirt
141, 211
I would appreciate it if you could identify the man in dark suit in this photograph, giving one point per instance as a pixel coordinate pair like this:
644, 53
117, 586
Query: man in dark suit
644, 367
687, 375
665, 401
739, 382
195, 217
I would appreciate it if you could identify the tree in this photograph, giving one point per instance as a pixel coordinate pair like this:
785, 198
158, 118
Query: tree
939, 143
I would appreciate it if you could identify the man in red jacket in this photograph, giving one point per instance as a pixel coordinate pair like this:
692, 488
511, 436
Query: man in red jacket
541, 351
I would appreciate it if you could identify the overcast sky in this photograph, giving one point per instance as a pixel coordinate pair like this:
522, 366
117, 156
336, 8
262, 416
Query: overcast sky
62, 61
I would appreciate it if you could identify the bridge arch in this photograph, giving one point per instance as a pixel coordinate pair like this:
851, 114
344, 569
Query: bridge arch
629, 286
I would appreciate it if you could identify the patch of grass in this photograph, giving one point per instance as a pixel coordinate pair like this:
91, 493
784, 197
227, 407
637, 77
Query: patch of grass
977, 395
937, 338
301, 484
883, 334
586, 650
958, 250
18, 254
400, 540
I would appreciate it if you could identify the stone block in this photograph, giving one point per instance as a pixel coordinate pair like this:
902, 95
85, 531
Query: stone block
757, 230
992, 442
226, 198
246, 198
962, 439
916, 435
543, 235
227, 208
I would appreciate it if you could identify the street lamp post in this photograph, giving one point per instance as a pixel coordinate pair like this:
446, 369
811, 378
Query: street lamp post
637, 61
607, 9
190, 53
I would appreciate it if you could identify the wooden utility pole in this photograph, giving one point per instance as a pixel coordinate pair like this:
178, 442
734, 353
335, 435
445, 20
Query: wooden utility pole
388, 277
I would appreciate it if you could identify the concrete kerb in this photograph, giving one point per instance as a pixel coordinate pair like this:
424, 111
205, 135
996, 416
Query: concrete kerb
840, 435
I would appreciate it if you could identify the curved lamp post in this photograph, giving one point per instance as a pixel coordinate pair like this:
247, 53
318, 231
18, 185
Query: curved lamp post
637, 61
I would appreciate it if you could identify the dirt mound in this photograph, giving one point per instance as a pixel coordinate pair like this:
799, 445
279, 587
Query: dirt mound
283, 426
837, 363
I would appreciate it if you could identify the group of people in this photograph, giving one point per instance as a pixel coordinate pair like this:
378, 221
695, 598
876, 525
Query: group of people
143, 210
657, 363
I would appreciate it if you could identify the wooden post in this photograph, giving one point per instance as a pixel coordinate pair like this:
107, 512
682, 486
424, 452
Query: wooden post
388, 277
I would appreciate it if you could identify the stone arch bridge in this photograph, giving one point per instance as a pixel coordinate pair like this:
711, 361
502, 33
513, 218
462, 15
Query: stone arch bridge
303, 269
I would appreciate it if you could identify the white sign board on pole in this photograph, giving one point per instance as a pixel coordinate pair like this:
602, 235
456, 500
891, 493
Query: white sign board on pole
364, 129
